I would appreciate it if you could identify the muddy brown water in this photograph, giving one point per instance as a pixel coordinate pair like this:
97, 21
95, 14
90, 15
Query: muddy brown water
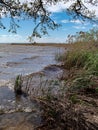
20, 112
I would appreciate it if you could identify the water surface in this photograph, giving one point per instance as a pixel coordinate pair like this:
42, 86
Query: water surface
22, 59
20, 111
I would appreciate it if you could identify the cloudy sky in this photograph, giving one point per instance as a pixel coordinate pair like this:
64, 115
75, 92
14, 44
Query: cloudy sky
69, 26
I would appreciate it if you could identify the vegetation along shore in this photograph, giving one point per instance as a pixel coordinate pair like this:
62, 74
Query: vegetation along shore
49, 86
69, 101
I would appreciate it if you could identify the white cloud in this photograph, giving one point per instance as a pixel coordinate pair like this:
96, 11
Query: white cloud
92, 8
79, 27
71, 21
60, 6
95, 25
65, 21
11, 38
76, 21
51, 40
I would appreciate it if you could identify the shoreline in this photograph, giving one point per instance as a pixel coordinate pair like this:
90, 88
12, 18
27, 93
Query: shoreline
36, 44
40, 77
60, 107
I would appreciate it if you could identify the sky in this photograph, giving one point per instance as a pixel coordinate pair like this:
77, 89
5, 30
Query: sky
68, 26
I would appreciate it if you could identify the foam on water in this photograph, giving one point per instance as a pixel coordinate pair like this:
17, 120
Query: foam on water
3, 82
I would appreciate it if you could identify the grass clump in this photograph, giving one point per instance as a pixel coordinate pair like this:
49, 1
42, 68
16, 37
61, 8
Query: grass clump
18, 85
92, 63
81, 61
74, 99
84, 84
83, 66
74, 106
75, 59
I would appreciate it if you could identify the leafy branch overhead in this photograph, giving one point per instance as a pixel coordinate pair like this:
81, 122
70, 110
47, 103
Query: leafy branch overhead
38, 11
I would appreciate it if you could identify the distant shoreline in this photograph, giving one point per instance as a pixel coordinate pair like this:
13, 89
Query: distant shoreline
36, 44
39, 44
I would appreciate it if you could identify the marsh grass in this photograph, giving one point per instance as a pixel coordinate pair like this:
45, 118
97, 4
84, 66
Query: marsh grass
81, 60
65, 110
58, 105
62, 106
18, 85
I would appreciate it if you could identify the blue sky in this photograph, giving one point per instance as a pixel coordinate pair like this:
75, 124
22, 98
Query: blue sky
69, 26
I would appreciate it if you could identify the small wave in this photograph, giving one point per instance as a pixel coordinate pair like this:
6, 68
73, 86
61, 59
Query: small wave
11, 64
3, 65
31, 58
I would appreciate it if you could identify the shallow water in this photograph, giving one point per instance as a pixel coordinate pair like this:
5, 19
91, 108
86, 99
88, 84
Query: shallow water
19, 111
22, 59
10, 103
17, 59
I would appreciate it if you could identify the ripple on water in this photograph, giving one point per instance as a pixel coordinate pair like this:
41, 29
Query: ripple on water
9, 102
17, 112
